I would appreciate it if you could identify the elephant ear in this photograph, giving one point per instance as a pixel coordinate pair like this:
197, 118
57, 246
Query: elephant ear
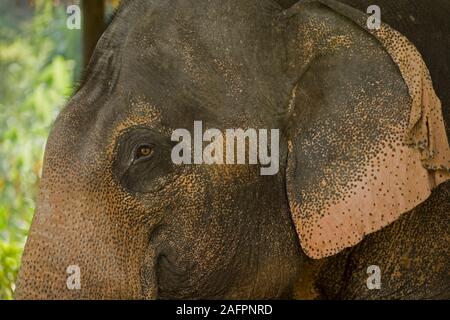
356, 168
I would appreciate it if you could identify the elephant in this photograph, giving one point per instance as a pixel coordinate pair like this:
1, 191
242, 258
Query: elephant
363, 115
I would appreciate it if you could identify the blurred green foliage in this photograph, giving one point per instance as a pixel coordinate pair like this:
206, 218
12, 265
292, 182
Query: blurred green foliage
38, 55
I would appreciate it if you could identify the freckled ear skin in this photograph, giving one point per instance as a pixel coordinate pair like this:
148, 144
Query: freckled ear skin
368, 140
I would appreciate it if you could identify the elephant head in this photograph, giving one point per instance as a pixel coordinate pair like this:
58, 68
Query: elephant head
113, 203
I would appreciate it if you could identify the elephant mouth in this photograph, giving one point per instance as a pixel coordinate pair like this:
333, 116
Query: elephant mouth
165, 267
166, 263
172, 276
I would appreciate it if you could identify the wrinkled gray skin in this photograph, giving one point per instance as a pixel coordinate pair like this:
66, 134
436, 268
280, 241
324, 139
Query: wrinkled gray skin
140, 227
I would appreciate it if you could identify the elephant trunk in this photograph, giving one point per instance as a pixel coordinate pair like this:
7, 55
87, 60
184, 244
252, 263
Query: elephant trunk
82, 243
71, 256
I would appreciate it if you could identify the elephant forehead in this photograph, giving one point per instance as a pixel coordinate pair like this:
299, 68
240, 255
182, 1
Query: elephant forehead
212, 55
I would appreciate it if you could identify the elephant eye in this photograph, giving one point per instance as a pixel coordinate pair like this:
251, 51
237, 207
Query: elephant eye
143, 151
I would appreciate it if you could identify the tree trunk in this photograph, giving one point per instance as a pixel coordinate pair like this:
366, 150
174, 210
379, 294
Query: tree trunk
93, 26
